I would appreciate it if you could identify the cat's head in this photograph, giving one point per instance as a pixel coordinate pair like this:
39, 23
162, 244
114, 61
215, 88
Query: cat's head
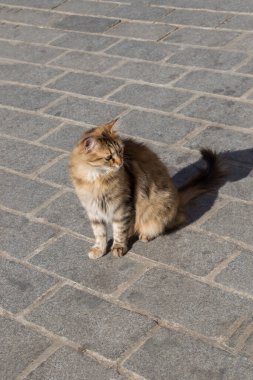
102, 148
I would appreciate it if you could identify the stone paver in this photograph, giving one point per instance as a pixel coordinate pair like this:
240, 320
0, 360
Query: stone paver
202, 37
25, 97
20, 236
148, 72
24, 73
166, 129
160, 357
231, 221
151, 32
29, 53
212, 59
67, 363
23, 194
149, 51
24, 125
19, 347
85, 110
21, 286
170, 296
86, 84
230, 112
64, 138
216, 83
97, 324
82, 41
85, 61
147, 97
27, 157
179, 76
238, 274
58, 173
68, 258
188, 250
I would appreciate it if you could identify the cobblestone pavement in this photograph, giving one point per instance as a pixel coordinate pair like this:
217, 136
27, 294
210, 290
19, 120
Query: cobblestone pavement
179, 75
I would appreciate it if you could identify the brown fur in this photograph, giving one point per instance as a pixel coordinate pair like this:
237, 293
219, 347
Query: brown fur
123, 182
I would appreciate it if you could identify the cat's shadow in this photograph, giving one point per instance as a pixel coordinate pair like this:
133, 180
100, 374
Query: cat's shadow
238, 165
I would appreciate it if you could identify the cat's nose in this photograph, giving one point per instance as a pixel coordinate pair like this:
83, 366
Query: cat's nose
118, 163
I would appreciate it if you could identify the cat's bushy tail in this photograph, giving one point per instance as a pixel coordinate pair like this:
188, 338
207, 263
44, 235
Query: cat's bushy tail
207, 180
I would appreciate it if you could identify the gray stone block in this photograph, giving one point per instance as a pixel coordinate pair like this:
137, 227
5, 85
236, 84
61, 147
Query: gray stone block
143, 31
58, 173
166, 129
240, 182
20, 236
86, 61
238, 274
212, 38
173, 355
245, 43
23, 97
216, 83
23, 194
21, 286
68, 257
238, 146
179, 299
68, 364
164, 99
44, 4
87, 7
211, 59
196, 18
25, 73
87, 111
68, 212
19, 347
191, 251
86, 84
27, 33
29, 53
247, 69
216, 5
28, 16
148, 72
98, 325
233, 220
139, 12
149, 51
27, 158
24, 125
241, 22
85, 23
231, 112
82, 41
66, 137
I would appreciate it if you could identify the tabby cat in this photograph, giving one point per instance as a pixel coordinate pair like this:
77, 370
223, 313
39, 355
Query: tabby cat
121, 181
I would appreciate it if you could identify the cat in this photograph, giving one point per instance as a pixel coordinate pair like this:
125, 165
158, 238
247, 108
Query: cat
123, 182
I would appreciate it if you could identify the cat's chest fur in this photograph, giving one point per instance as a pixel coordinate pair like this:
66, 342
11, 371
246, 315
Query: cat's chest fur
94, 196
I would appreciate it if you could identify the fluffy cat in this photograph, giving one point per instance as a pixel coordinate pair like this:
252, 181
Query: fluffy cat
123, 182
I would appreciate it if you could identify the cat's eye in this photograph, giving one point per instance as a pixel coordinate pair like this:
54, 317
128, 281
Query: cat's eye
108, 158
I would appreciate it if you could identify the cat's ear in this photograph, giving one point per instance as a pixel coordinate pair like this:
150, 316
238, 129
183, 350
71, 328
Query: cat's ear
110, 127
90, 144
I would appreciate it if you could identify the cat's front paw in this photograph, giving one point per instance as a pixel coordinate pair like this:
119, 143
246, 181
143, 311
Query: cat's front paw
95, 253
119, 250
